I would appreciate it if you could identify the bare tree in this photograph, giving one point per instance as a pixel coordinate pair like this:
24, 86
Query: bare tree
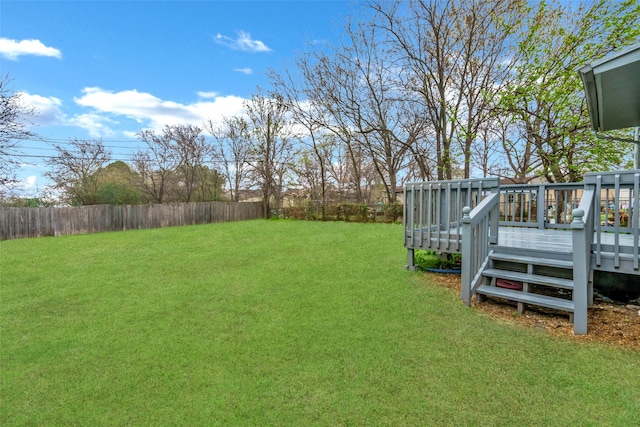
518, 150
232, 149
156, 165
75, 167
271, 145
14, 127
451, 52
377, 107
363, 103
338, 168
175, 165
324, 80
307, 111
308, 171
487, 62
485, 151
192, 153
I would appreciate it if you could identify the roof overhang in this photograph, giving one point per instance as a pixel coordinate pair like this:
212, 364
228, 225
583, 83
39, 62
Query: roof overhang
612, 86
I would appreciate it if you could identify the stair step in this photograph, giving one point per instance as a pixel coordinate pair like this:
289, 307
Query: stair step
523, 259
529, 278
527, 298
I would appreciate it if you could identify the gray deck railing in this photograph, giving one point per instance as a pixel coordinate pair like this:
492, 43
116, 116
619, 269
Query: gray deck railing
433, 212
617, 200
480, 230
539, 205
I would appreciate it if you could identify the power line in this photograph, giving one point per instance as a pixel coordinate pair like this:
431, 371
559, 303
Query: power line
36, 156
70, 142
215, 163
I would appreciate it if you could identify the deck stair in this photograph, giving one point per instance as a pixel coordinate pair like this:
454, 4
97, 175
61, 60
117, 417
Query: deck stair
536, 244
546, 278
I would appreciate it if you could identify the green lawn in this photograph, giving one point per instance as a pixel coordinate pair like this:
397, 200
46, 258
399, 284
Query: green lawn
276, 323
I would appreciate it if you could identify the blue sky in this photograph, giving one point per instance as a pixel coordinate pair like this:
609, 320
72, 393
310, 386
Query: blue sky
107, 69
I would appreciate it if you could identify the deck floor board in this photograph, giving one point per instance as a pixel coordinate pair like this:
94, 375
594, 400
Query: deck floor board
549, 239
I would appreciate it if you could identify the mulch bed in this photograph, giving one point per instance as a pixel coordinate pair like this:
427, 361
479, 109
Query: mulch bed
609, 322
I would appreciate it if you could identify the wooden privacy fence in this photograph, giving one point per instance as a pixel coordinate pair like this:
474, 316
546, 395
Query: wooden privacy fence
17, 223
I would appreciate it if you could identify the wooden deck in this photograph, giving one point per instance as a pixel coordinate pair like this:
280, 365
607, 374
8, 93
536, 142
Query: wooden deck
553, 235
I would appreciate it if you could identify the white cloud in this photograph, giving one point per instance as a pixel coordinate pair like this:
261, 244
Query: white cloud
24, 187
151, 111
208, 94
13, 49
29, 182
246, 71
48, 110
135, 105
97, 125
243, 42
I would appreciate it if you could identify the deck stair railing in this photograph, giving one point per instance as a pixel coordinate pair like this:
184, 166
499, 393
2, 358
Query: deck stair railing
480, 231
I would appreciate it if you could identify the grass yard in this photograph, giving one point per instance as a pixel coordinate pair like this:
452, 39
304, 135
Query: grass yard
276, 323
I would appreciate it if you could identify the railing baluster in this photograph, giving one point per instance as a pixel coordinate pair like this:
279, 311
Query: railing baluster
634, 219
421, 214
598, 203
448, 209
616, 221
429, 213
458, 213
438, 225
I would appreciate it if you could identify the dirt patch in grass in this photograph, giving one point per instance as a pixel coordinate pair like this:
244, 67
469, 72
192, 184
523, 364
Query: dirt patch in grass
609, 322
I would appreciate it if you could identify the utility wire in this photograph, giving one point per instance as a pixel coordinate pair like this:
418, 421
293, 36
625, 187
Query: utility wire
215, 163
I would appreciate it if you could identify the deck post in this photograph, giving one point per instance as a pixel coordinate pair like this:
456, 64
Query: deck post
494, 221
582, 232
467, 254
541, 207
410, 260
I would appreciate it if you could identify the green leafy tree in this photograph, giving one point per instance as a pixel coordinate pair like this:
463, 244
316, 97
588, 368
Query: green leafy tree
116, 185
546, 98
112, 193
209, 184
